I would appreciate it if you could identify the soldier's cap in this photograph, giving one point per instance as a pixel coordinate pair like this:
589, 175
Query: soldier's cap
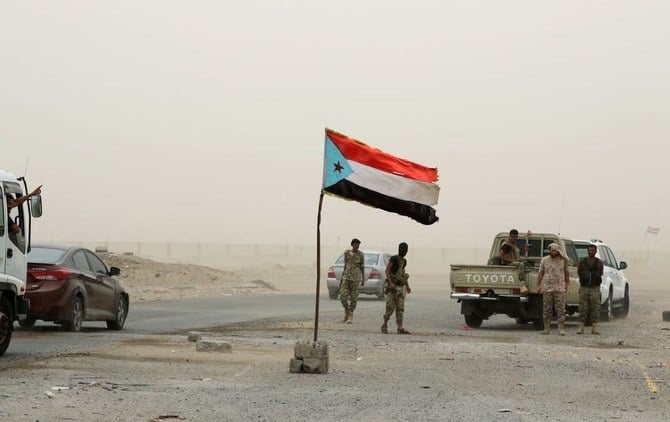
354, 240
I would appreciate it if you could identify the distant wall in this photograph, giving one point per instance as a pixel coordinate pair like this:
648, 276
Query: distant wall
231, 256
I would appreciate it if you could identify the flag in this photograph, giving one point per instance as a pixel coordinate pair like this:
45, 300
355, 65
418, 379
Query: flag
653, 230
355, 171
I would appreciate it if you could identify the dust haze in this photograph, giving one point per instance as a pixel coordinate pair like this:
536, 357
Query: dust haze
203, 122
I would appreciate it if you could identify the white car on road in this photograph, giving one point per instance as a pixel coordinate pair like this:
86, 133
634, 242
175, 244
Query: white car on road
614, 290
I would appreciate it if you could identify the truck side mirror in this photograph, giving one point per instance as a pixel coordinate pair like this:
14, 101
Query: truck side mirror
36, 206
623, 265
114, 271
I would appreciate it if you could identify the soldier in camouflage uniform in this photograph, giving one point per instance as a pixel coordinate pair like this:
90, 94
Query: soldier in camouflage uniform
590, 270
397, 286
554, 273
352, 277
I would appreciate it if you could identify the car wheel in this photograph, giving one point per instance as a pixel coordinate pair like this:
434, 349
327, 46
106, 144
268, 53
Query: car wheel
6, 324
27, 323
607, 313
76, 315
474, 321
121, 314
332, 294
625, 305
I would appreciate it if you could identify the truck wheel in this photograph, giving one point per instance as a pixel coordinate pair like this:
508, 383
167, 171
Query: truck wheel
76, 315
381, 295
332, 294
538, 324
473, 321
6, 324
607, 313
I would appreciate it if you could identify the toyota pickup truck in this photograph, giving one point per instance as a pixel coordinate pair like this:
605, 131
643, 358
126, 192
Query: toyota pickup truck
486, 290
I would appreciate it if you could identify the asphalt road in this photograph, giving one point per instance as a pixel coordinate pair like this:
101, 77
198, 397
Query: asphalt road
173, 316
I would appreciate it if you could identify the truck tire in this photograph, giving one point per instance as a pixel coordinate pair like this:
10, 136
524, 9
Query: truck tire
332, 294
6, 324
538, 324
474, 321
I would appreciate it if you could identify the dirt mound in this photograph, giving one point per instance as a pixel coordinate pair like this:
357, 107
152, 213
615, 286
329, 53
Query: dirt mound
151, 280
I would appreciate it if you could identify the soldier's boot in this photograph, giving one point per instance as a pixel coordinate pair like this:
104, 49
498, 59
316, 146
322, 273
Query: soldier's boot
350, 318
561, 329
594, 329
547, 326
385, 326
346, 315
580, 328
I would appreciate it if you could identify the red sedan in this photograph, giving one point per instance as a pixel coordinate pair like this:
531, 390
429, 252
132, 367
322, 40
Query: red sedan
69, 285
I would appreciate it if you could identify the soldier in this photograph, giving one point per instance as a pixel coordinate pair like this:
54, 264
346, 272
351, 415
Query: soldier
590, 270
514, 253
352, 276
398, 284
554, 273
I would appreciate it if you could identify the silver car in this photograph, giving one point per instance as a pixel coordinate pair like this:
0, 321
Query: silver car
375, 278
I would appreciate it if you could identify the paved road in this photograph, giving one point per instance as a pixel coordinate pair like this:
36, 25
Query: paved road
195, 313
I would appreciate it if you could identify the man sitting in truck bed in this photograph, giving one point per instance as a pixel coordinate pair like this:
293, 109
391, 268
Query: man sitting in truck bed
509, 251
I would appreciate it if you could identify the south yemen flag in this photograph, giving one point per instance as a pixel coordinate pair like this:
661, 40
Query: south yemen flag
355, 171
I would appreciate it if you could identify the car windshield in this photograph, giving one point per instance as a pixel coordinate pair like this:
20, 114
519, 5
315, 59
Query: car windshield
45, 255
370, 259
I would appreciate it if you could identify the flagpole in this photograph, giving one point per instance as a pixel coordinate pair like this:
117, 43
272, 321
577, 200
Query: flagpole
318, 267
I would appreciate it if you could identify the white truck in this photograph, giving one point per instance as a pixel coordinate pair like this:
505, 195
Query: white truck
15, 226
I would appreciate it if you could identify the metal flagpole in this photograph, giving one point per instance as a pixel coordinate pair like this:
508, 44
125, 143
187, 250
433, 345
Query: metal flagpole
318, 268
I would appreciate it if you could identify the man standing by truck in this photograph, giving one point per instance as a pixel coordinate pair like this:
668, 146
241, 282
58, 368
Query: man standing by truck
553, 280
590, 270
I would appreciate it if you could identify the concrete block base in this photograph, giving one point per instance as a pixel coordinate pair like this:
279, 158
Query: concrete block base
212, 345
309, 358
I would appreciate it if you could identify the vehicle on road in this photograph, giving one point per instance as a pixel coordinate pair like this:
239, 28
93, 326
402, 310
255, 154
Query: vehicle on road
614, 290
69, 285
15, 231
486, 290
374, 275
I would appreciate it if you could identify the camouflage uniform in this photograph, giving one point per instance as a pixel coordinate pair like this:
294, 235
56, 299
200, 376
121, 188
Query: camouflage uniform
590, 278
395, 299
553, 287
352, 276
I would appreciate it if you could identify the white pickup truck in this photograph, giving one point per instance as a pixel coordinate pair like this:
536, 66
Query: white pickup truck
486, 290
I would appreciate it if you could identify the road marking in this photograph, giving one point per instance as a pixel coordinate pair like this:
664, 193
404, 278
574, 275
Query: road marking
651, 385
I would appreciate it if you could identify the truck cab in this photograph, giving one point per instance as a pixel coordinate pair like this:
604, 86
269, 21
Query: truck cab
15, 230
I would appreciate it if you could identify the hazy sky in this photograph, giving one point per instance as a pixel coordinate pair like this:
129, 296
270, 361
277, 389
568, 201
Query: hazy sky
203, 121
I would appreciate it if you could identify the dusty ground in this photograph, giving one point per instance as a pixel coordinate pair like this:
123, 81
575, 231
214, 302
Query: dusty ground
441, 372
